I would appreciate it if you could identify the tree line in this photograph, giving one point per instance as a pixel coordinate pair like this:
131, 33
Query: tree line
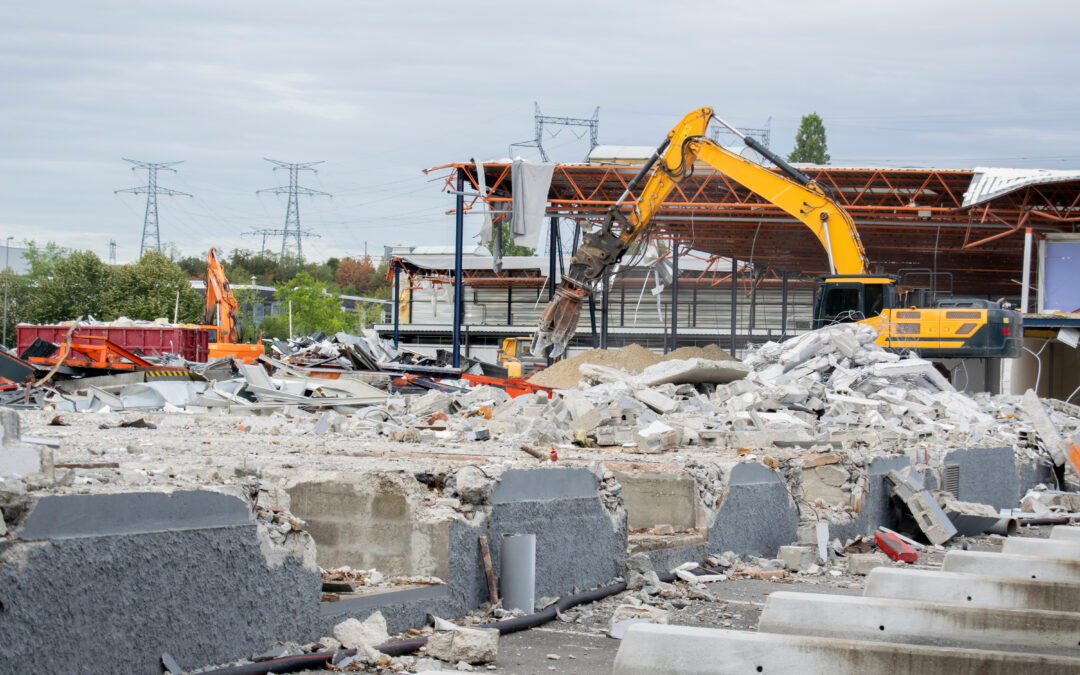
61, 285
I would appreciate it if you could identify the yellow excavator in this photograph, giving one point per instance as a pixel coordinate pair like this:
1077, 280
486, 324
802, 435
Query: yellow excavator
220, 316
953, 328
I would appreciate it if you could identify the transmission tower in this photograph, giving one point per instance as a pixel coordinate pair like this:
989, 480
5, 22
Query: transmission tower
272, 232
112, 251
151, 236
592, 124
762, 134
292, 211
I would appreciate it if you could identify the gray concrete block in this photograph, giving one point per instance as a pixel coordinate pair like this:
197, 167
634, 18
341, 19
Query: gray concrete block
1065, 533
654, 498
649, 649
921, 623
1015, 566
863, 563
1046, 548
796, 558
976, 590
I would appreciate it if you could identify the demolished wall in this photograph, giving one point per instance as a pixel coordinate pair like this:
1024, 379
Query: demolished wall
107, 583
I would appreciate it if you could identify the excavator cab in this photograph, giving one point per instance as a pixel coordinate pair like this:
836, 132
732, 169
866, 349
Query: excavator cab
849, 298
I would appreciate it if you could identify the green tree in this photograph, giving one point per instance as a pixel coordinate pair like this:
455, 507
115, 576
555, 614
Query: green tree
151, 288
810, 145
77, 285
194, 266
41, 261
246, 299
508, 245
18, 301
313, 308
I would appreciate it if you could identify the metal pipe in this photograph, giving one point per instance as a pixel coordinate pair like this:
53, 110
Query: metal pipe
518, 572
783, 306
459, 235
734, 289
674, 295
604, 314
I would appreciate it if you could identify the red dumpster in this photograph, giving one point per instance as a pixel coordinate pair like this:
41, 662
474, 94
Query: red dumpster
190, 342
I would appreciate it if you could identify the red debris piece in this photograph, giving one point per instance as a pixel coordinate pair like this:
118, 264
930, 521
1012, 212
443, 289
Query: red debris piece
895, 548
554, 455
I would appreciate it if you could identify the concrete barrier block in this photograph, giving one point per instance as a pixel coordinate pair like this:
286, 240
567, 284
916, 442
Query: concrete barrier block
864, 563
976, 590
921, 623
796, 558
1065, 533
649, 649
1067, 550
1009, 565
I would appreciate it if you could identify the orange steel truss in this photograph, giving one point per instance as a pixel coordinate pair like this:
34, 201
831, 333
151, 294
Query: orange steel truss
908, 219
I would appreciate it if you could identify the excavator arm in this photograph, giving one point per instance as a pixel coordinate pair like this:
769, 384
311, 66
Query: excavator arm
794, 193
220, 303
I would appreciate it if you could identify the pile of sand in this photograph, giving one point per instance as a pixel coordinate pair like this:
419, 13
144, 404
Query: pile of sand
632, 358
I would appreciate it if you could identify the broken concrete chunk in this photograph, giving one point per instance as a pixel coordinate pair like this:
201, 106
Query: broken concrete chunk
657, 401
472, 486
353, 634
471, 645
693, 371
658, 437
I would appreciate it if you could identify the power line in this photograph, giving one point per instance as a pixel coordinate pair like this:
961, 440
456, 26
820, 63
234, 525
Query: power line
151, 235
285, 232
292, 210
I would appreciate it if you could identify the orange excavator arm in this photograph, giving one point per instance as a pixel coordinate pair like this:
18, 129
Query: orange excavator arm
220, 303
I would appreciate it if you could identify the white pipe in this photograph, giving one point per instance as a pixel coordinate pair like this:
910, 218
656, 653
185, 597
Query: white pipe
518, 571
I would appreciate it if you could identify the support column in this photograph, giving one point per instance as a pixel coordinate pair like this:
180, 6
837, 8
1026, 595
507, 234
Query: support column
674, 295
604, 314
553, 252
459, 236
783, 306
397, 302
509, 305
734, 304
1025, 279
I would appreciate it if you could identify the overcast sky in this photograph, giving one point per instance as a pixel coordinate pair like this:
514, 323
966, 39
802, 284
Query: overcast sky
381, 91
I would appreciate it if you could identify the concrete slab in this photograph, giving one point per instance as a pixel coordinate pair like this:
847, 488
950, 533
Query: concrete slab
693, 371
656, 498
649, 649
976, 590
1015, 566
1066, 550
921, 623
1065, 533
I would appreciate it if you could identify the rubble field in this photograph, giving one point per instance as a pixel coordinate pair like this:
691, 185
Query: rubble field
813, 414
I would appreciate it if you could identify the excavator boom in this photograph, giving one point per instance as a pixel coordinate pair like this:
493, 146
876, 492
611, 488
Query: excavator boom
673, 160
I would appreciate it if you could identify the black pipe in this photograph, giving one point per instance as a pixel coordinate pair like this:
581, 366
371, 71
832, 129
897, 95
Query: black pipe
291, 664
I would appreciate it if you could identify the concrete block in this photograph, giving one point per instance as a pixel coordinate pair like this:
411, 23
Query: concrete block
657, 401
796, 558
976, 590
649, 649
923, 507
658, 437
587, 421
1045, 548
824, 483
693, 371
1015, 566
921, 623
653, 498
1065, 533
19, 460
863, 563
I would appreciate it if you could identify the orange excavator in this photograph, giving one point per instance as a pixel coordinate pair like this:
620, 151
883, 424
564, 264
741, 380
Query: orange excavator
220, 316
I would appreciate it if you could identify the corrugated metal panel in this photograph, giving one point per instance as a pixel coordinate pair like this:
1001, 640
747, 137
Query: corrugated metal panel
988, 183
